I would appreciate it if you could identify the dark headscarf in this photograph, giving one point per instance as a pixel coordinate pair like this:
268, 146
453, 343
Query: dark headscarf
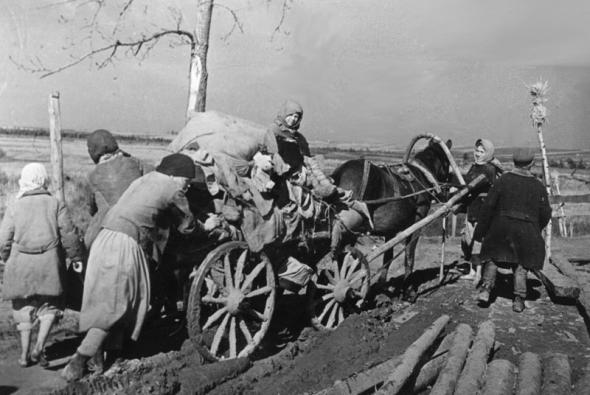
177, 165
289, 107
99, 143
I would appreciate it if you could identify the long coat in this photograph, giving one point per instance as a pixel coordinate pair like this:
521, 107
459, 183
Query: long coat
117, 283
107, 181
35, 233
511, 219
479, 195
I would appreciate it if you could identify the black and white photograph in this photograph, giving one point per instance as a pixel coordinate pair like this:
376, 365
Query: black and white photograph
295, 197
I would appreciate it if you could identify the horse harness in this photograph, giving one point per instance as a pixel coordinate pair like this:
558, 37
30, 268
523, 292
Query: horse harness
405, 172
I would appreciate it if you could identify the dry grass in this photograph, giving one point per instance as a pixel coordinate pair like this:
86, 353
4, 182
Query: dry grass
76, 191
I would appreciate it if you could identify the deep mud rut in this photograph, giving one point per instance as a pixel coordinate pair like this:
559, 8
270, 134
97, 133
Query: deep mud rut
297, 359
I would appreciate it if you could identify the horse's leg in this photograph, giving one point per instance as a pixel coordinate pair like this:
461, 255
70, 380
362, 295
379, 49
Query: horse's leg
409, 287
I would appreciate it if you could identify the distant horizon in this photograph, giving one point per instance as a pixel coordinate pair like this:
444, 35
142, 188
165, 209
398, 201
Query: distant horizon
315, 143
365, 71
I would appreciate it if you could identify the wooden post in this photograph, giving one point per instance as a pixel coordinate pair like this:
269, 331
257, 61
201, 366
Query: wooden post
472, 376
57, 163
538, 92
529, 374
412, 357
441, 271
453, 225
447, 379
561, 220
556, 374
499, 378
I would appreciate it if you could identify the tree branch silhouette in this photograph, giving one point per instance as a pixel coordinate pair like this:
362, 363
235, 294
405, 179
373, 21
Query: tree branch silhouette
112, 49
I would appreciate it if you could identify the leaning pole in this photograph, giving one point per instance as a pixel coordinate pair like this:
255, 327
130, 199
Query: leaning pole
538, 92
56, 155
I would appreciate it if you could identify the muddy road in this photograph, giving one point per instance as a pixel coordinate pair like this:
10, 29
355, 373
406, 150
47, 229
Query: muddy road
297, 359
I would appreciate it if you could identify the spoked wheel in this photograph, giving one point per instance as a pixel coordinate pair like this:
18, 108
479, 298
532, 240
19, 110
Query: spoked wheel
231, 302
339, 290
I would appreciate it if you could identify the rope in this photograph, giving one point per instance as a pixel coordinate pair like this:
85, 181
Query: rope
396, 198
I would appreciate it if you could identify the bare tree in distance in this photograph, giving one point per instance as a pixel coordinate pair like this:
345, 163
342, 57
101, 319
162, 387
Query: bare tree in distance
113, 28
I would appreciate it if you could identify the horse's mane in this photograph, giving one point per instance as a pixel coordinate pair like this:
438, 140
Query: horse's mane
431, 156
432, 153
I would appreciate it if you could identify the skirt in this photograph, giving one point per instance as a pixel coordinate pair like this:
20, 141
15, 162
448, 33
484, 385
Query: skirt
116, 286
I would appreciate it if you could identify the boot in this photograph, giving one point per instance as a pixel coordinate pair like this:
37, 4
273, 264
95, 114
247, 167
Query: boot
484, 295
74, 370
96, 363
39, 356
518, 304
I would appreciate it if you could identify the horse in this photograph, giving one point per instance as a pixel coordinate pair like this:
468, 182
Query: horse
395, 201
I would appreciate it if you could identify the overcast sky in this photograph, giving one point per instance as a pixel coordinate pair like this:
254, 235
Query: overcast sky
377, 71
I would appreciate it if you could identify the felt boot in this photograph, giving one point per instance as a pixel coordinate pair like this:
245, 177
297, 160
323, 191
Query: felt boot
518, 304
74, 370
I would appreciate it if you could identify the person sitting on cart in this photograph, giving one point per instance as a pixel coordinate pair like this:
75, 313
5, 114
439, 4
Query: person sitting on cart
113, 173
484, 163
353, 216
36, 231
117, 283
510, 223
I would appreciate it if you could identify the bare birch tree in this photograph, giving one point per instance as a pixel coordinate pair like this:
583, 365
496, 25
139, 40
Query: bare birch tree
110, 29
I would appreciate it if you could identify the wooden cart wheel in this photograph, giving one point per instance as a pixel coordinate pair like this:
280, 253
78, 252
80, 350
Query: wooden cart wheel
338, 290
231, 302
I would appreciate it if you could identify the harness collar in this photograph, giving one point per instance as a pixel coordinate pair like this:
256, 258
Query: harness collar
427, 173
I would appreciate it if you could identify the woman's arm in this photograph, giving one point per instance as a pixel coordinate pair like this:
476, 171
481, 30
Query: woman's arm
6, 234
183, 215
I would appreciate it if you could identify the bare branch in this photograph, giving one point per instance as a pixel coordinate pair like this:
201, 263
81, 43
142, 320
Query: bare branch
278, 29
134, 46
57, 4
237, 23
126, 7
121, 15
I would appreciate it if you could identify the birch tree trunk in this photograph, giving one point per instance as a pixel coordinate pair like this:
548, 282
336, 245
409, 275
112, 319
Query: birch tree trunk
538, 92
547, 179
198, 75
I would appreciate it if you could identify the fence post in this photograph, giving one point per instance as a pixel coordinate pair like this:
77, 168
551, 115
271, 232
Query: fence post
56, 155
561, 218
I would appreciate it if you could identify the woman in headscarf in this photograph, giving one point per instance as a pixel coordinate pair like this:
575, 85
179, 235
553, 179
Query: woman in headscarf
484, 163
117, 283
292, 144
35, 233
114, 172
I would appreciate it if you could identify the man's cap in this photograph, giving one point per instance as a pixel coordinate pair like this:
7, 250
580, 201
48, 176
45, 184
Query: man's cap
177, 165
523, 156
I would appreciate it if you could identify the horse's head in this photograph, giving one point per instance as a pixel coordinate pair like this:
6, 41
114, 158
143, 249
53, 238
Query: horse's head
433, 157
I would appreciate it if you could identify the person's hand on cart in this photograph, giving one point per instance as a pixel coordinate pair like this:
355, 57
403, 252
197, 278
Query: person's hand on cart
212, 222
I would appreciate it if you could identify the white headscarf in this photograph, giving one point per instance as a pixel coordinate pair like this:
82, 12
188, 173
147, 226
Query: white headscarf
32, 176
